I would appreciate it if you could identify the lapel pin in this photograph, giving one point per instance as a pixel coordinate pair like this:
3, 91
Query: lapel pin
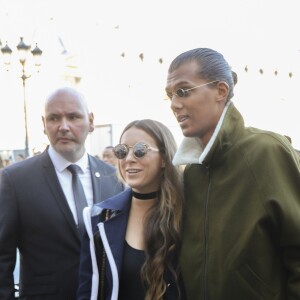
97, 174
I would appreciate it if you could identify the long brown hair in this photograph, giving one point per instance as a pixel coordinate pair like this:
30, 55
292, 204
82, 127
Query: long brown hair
162, 223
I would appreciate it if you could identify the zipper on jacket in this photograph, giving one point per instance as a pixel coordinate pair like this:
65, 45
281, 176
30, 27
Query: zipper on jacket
206, 234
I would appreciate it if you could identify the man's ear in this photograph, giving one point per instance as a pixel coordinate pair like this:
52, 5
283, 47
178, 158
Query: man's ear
91, 121
223, 91
43, 120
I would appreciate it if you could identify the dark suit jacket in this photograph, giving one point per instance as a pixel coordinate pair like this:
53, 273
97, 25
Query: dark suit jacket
35, 217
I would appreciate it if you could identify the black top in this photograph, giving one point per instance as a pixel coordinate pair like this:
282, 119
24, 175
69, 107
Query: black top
131, 287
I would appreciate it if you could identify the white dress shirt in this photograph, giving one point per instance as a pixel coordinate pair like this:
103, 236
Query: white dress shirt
65, 178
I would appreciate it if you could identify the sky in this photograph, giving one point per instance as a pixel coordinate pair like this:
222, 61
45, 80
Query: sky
259, 34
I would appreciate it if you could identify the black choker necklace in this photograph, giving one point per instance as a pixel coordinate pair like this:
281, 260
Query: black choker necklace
146, 196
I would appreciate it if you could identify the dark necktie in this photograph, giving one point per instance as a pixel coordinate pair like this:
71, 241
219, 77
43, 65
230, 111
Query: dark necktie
79, 196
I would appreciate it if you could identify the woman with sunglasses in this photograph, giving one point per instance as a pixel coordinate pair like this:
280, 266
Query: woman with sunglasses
129, 251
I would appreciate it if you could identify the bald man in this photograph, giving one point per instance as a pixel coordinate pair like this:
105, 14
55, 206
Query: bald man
38, 213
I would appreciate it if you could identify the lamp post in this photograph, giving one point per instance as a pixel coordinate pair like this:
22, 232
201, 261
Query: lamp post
23, 50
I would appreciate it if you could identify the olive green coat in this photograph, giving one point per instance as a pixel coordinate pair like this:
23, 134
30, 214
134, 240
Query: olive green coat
241, 227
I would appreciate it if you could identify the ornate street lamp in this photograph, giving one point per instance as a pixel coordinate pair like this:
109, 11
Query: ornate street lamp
7, 54
23, 50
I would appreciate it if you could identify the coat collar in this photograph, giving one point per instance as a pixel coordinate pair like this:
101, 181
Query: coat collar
119, 202
191, 151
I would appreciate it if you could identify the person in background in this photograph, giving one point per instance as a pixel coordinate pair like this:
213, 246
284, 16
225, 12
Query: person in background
130, 249
20, 157
241, 222
38, 211
1, 163
7, 161
108, 156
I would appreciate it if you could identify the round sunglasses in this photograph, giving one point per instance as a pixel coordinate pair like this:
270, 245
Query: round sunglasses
139, 150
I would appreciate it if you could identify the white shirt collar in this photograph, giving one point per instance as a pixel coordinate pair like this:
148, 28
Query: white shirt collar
61, 163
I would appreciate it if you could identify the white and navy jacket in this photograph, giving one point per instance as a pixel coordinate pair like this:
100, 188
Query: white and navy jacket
109, 234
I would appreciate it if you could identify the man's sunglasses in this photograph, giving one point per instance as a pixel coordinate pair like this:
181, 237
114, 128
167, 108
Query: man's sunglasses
139, 150
181, 93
